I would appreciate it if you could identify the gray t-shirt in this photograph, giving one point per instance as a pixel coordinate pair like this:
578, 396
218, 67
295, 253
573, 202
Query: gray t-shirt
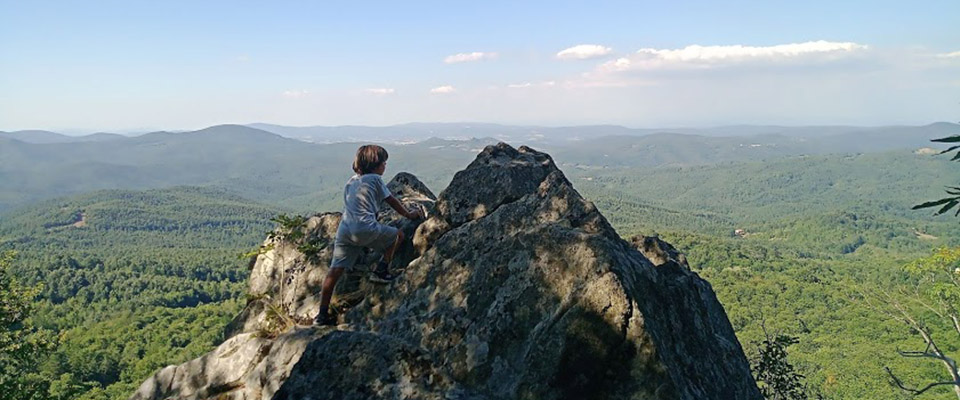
361, 201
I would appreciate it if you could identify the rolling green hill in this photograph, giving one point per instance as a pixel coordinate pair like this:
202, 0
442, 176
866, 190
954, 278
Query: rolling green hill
254, 163
694, 147
759, 196
266, 167
134, 280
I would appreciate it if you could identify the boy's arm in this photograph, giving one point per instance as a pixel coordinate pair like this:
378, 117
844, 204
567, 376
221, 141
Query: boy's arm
399, 208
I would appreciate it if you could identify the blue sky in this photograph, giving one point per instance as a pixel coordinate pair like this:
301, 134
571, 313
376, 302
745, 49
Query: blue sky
141, 65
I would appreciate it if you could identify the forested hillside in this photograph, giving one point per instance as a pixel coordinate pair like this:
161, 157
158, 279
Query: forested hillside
814, 233
133, 280
758, 196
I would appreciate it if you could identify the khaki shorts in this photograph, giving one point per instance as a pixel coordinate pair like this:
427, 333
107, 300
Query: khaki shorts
348, 246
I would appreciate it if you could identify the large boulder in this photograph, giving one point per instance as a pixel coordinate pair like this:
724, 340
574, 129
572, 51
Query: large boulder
515, 287
526, 291
244, 367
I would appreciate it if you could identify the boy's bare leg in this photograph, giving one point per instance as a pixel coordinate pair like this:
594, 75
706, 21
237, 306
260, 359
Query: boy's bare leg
388, 254
329, 283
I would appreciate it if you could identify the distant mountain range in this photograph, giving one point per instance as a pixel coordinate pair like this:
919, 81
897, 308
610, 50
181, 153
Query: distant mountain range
46, 137
275, 169
532, 135
415, 132
692, 149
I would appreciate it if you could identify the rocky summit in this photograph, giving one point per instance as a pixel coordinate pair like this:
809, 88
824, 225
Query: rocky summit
514, 287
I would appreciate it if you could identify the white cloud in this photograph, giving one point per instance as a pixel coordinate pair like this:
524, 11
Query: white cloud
584, 52
709, 56
243, 58
380, 91
468, 57
531, 84
443, 89
955, 54
296, 93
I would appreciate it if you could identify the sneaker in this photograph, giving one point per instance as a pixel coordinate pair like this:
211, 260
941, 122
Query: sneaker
325, 319
382, 274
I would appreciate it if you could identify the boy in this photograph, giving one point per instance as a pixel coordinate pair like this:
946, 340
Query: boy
359, 227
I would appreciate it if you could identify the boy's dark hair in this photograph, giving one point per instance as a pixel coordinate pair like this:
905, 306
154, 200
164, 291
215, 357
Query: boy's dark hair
369, 157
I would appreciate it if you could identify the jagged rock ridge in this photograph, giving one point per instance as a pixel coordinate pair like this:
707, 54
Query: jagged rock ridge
515, 287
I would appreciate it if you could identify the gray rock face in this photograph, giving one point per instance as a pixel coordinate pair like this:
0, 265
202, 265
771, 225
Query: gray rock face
515, 288
363, 365
245, 367
659, 252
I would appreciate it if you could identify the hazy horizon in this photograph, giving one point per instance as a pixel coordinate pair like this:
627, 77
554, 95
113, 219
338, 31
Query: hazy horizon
140, 131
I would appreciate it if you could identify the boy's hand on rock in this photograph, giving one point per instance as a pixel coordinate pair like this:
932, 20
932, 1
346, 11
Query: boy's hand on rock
414, 213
